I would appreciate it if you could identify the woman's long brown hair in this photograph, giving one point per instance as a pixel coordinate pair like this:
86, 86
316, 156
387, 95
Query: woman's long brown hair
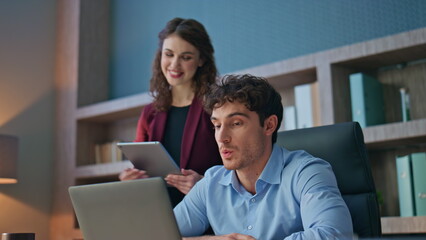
193, 32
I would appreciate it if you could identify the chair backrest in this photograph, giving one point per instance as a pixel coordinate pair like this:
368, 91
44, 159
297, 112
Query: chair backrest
342, 145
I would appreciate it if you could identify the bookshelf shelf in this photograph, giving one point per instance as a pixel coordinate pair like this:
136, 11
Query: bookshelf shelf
395, 134
403, 225
111, 110
101, 170
82, 80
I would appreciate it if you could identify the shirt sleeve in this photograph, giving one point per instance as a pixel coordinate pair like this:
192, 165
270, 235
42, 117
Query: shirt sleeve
190, 213
323, 211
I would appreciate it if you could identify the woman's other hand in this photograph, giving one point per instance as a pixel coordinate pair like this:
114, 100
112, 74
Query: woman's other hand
185, 181
132, 174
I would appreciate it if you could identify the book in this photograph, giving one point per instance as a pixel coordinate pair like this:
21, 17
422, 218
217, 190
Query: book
405, 186
107, 152
106, 156
98, 154
116, 153
366, 100
418, 161
289, 118
405, 104
303, 101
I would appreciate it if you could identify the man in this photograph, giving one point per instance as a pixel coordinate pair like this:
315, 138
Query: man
262, 191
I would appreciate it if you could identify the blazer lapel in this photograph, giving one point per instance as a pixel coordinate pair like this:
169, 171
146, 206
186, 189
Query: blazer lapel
191, 125
158, 126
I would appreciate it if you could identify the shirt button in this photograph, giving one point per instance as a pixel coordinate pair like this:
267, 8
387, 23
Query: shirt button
253, 200
250, 227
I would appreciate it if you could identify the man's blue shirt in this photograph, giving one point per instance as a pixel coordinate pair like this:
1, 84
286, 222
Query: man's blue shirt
296, 198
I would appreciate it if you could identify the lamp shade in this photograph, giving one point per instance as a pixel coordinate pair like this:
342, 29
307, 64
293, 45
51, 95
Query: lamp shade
8, 159
17, 236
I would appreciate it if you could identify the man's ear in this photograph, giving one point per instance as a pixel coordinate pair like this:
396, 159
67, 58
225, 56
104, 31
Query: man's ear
270, 124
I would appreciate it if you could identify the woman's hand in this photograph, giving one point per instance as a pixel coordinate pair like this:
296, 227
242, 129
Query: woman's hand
185, 181
132, 174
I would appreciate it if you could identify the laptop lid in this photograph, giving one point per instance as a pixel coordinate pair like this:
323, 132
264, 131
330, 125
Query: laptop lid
137, 209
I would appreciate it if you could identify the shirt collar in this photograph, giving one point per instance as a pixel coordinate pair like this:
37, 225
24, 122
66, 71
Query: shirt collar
227, 177
272, 171
230, 178
269, 173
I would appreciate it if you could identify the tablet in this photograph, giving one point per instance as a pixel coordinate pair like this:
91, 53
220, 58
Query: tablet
151, 157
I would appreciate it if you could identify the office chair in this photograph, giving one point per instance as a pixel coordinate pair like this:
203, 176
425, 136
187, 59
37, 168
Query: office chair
342, 145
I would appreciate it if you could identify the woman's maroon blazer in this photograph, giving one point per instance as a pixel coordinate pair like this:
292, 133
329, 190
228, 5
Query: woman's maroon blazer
199, 148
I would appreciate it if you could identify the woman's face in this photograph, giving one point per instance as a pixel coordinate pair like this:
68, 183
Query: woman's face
179, 61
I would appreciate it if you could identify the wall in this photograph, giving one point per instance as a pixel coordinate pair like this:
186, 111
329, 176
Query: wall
27, 42
247, 33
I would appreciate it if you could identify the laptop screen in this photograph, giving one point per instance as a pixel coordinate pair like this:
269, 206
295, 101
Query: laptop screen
136, 209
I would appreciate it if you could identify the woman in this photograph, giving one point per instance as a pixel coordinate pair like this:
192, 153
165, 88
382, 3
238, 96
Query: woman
183, 70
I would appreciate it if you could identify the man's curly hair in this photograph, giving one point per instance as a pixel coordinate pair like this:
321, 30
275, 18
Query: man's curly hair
254, 92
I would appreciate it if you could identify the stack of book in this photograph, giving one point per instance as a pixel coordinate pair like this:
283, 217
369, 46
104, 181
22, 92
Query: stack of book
304, 106
412, 184
290, 121
366, 100
108, 153
405, 104
304, 113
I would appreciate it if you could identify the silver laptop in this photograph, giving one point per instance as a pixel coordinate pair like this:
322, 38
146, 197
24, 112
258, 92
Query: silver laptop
136, 210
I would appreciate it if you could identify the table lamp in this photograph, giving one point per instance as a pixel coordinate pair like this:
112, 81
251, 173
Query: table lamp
17, 236
8, 159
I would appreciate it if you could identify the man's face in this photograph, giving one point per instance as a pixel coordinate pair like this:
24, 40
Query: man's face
239, 135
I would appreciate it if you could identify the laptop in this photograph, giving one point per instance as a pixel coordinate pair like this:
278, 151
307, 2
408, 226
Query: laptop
137, 209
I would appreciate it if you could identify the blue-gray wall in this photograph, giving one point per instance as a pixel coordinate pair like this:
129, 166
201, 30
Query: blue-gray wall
247, 33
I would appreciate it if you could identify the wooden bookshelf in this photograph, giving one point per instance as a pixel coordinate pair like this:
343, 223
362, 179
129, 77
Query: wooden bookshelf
86, 117
387, 59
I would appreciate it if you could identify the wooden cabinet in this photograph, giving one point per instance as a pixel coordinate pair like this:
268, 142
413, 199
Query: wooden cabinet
85, 116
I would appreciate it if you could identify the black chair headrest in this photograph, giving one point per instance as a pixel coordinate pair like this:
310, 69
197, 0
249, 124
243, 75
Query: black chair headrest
342, 145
